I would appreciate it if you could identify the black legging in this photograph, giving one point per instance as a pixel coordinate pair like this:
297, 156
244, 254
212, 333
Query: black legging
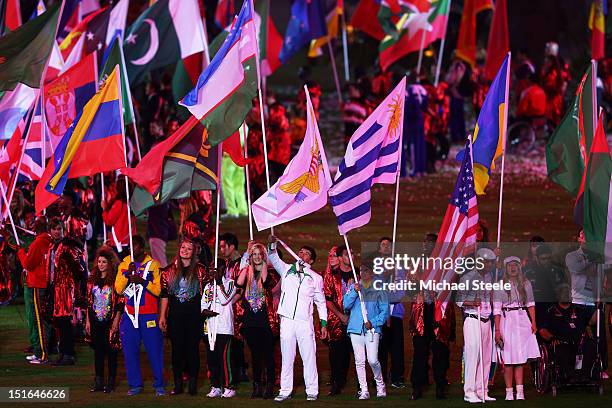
261, 343
184, 330
66, 335
100, 341
339, 360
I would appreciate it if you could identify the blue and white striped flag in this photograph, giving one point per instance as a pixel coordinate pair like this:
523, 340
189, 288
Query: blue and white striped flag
372, 156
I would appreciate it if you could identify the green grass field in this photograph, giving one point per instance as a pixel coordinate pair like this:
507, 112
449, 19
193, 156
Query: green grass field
532, 205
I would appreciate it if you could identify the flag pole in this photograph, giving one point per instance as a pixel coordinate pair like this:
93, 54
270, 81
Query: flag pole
364, 312
441, 51
131, 105
347, 74
103, 198
8, 207
335, 71
261, 107
220, 148
505, 124
419, 63
397, 187
127, 184
246, 174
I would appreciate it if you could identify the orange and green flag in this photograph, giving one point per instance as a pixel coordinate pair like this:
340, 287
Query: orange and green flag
466, 41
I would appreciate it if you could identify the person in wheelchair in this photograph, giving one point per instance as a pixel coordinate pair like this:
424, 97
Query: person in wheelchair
532, 101
566, 332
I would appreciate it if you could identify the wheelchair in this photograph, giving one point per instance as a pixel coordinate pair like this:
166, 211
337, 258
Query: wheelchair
556, 368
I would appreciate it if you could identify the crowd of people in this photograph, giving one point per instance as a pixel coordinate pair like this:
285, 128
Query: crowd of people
261, 300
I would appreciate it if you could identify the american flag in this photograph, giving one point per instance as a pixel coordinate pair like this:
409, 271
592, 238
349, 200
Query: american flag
457, 236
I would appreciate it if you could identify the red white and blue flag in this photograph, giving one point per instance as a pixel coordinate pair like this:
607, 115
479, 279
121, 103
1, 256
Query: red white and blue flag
372, 156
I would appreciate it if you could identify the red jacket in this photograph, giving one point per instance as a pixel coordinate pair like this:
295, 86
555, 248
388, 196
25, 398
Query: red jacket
116, 217
34, 261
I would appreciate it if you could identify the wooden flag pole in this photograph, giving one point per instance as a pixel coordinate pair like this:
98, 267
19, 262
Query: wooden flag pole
505, 130
335, 71
441, 51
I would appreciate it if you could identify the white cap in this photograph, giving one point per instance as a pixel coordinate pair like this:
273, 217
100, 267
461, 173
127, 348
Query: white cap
510, 259
486, 254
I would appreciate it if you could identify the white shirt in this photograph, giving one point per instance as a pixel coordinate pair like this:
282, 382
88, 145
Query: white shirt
224, 321
583, 285
471, 294
299, 290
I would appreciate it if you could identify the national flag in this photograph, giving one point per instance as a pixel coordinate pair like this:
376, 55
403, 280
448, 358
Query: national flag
233, 146
597, 25
72, 39
457, 235
372, 156
223, 96
56, 62
430, 23
466, 41
332, 19
35, 130
270, 41
115, 58
11, 18
363, 19
25, 51
104, 27
166, 32
224, 13
13, 107
175, 167
303, 187
499, 40
32, 163
567, 148
306, 24
76, 54
71, 17
10, 153
97, 129
490, 131
597, 222
65, 96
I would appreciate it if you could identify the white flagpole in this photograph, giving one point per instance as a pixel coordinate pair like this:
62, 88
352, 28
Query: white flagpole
8, 206
397, 186
364, 312
482, 379
246, 174
418, 70
335, 71
441, 51
505, 124
102, 200
127, 185
220, 148
261, 108
347, 74
131, 106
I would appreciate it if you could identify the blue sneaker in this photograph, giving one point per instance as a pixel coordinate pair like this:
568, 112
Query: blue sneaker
160, 392
134, 391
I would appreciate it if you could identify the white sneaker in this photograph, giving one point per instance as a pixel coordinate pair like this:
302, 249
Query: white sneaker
30, 358
281, 397
214, 393
311, 397
228, 393
604, 375
509, 394
472, 399
381, 392
364, 395
38, 361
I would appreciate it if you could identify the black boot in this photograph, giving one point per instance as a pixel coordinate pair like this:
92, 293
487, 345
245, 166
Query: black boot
110, 385
193, 386
178, 385
257, 391
98, 385
269, 392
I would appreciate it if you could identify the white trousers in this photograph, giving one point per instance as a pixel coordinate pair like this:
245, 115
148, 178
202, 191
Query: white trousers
362, 346
473, 331
298, 332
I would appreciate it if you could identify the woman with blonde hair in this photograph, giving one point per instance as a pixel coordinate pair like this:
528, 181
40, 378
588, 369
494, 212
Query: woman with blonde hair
104, 309
515, 326
257, 320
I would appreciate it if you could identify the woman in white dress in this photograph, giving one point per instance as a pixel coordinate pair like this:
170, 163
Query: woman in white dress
515, 326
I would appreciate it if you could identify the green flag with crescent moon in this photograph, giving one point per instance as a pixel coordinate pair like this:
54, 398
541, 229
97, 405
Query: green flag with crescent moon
164, 33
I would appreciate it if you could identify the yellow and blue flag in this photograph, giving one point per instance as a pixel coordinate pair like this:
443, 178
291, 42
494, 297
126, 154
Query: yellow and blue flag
490, 131
92, 144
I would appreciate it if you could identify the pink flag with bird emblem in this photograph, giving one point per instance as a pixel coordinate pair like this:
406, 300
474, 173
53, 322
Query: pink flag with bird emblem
302, 189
